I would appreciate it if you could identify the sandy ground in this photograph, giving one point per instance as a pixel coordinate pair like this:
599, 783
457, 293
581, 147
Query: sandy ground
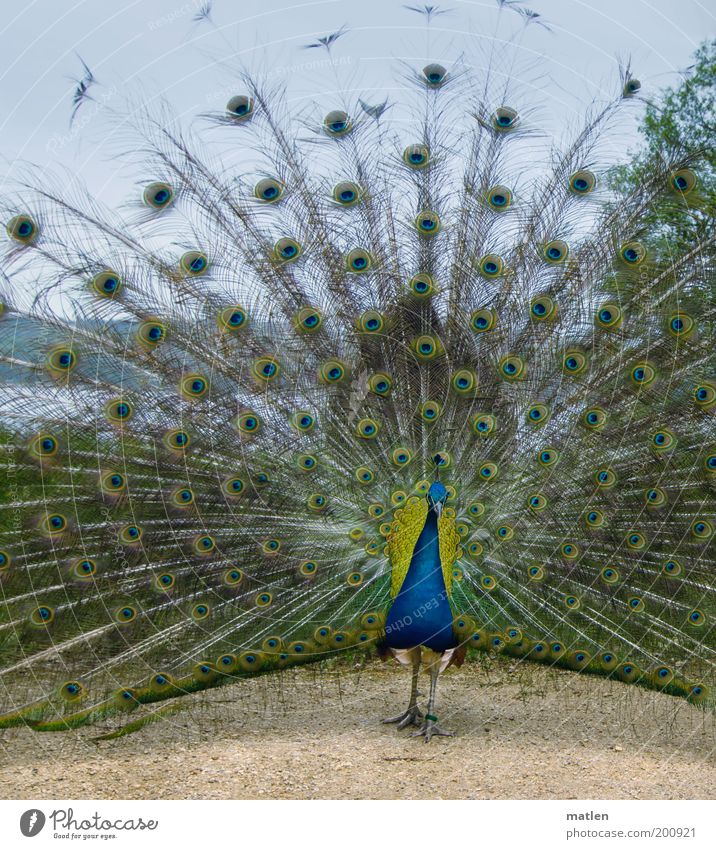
523, 732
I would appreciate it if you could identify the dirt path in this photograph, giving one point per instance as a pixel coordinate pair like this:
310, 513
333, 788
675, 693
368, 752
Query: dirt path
524, 732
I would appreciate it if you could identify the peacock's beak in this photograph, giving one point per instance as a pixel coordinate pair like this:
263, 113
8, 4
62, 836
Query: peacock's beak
438, 508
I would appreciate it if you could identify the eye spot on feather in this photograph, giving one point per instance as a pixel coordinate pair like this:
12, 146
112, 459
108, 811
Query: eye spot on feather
671, 567
248, 423
271, 547
177, 440
632, 253
499, 198
44, 446
165, 581
308, 320
609, 575
538, 414
158, 195
240, 107
504, 119
367, 428
125, 614
543, 308
358, 261
193, 387
308, 568
269, 190
683, 181
130, 535
608, 317
511, 367
61, 361
151, 333
428, 223
106, 284
705, 396
491, 266
266, 369
22, 229
483, 320
582, 182
636, 604
232, 319
416, 156
42, 615
696, 618
303, 421
72, 691
594, 518
537, 502
701, 529
337, 123
194, 263
574, 362
488, 471
200, 611
484, 424
286, 250
317, 502
118, 411
53, 524
347, 194
680, 325
605, 478
434, 75
421, 285
371, 322
548, 457
555, 252
233, 577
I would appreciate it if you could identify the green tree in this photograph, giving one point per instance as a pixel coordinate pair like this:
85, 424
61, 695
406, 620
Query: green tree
680, 125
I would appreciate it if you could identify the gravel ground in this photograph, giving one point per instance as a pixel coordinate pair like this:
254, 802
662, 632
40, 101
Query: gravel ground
523, 732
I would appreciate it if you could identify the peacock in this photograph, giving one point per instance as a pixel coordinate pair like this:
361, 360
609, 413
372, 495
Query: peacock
419, 387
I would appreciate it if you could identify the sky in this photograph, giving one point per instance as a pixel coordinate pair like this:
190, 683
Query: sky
142, 49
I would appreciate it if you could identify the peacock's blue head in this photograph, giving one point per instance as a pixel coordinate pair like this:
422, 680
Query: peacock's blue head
437, 496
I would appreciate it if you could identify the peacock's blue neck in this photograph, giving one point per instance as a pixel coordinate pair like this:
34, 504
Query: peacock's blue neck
421, 612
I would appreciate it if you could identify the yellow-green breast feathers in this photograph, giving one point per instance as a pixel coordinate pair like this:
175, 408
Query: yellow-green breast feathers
407, 526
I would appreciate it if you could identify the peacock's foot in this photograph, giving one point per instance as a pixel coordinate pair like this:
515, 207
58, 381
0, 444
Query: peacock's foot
411, 716
430, 729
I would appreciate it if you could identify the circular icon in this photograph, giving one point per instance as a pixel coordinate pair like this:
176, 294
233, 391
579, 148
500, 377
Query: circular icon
32, 822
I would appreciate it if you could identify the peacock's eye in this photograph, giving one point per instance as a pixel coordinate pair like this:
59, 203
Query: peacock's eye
158, 195
347, 194
504, 119
22, 229
582, 182
556, 251
435, 75
194, 263
499, 198
337, 123
633, 253
427, 223
240, 107
416, 156
269, 190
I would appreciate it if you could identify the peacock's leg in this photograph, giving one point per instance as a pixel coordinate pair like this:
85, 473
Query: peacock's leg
430, 727
412, 715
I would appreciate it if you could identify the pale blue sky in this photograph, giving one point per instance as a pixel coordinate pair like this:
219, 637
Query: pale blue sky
140, 48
